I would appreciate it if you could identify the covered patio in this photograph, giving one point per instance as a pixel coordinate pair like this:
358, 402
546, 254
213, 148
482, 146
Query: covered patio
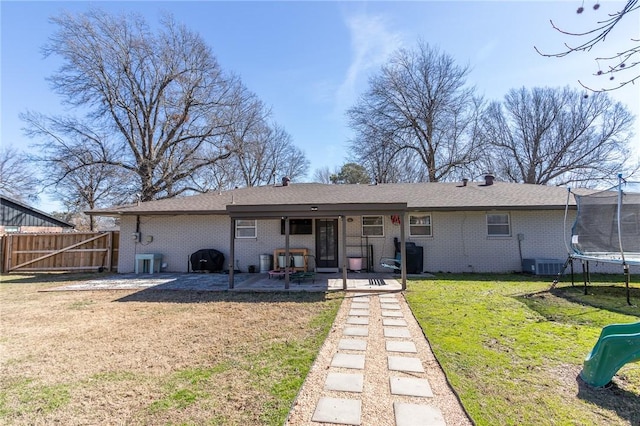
344, 281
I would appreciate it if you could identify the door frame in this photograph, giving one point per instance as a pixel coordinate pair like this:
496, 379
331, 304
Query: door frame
333, 266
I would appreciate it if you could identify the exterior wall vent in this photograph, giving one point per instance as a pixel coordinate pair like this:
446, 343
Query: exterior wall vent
542, 266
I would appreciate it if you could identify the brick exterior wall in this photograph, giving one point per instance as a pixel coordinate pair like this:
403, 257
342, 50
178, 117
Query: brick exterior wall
459, 242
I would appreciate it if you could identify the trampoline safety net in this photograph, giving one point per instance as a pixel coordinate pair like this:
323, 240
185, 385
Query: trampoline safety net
607, 225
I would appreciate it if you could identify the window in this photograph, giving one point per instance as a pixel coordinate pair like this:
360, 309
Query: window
298, 227
629, 225
498, 225
10, 228
246, 228
420, 225
372, 226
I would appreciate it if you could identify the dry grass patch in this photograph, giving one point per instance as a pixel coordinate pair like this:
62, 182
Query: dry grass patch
114, 357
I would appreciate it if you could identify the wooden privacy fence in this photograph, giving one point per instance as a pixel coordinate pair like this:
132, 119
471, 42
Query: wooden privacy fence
72, 251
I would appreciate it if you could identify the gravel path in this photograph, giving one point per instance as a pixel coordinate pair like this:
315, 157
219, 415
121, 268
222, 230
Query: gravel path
395, 380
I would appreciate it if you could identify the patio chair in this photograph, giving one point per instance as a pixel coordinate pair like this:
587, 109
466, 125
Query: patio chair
391, 263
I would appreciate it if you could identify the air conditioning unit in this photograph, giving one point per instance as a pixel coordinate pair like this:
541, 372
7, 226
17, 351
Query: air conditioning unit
542, 266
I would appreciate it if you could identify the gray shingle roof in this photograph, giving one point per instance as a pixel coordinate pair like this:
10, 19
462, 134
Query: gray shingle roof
418, 196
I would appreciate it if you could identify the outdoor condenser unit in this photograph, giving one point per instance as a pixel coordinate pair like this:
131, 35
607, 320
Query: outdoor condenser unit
542, 266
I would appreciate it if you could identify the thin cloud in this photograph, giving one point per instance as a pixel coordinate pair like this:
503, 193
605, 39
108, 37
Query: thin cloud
372, 42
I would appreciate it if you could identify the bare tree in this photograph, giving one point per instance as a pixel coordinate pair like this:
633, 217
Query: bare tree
73, 166
269, 153
621, 62
419, 103
556, 136
163, 96
17, 180
323, 174
384, 161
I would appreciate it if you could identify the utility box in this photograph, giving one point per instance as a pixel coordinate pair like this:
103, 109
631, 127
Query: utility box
541, 266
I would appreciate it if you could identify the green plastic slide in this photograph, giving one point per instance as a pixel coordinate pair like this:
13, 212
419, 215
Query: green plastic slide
617, 345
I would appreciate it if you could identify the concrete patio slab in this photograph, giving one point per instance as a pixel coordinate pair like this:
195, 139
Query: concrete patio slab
359, 313
257, 282
392, 314
415, 414
352, 345
353, 361
344, 382
401, 346
401, 363
410, 386
338, 411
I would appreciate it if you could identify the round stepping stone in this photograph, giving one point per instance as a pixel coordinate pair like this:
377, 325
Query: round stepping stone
338, 411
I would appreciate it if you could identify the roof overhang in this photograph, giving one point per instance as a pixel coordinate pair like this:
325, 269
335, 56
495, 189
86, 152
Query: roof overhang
237, 211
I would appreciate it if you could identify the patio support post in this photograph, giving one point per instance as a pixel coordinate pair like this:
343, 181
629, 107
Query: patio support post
286, 253
343, 219
232, 249
403, 252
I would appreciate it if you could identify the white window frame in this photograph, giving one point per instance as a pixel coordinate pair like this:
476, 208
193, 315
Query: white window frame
501, 224
373, 226
413, 226
245, 224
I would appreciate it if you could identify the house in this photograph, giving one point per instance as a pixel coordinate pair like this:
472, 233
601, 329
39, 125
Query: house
18, 217
459, 226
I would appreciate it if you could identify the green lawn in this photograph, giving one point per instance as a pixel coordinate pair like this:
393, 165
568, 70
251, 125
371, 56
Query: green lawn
513, 350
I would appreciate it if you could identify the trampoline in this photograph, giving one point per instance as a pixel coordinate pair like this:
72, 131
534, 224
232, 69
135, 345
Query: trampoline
607, 227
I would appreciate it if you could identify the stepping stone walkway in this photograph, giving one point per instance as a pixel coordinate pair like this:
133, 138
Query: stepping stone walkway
376, 372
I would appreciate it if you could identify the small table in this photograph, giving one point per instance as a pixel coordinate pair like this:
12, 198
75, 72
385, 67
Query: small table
154, 259
276, 273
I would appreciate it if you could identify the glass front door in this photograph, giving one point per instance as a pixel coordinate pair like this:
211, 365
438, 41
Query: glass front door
327, 243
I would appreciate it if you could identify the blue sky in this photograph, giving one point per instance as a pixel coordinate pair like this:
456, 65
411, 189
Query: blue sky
309, 61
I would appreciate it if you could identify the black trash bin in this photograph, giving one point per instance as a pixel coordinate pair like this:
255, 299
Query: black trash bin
415, 256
